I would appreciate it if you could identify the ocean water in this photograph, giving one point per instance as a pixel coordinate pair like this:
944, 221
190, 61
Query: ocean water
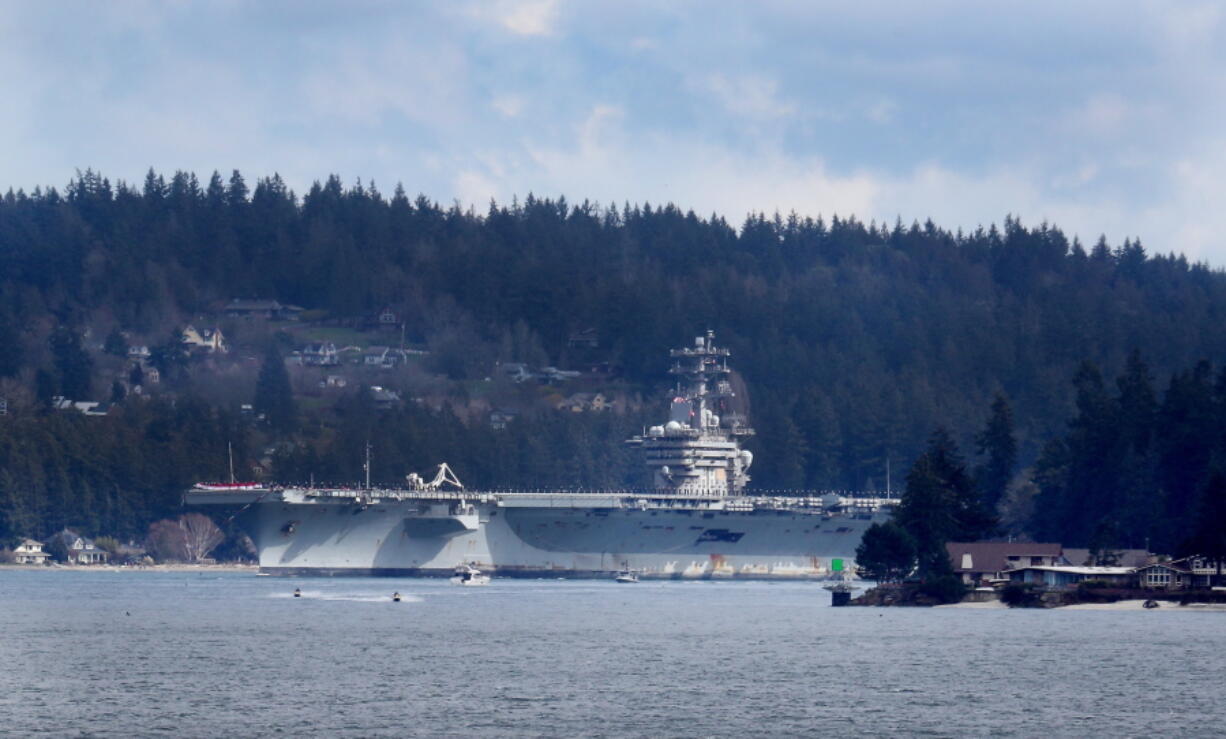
95, 653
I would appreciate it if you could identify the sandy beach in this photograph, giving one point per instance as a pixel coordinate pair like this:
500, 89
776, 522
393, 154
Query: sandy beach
223, 567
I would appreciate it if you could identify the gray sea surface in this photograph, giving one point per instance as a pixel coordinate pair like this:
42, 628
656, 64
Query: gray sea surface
153, 653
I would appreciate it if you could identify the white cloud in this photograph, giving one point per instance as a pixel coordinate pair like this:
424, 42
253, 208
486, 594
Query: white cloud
522, 17
509, 106
749, 95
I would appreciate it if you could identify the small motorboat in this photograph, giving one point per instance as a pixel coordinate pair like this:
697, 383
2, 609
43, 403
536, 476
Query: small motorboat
395, 597
469, 575
627, 576
297, 593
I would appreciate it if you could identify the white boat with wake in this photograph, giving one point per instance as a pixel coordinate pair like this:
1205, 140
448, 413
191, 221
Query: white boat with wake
469, 576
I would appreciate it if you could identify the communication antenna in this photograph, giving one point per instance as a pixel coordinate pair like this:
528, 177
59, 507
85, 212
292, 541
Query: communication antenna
230, 449
367, 465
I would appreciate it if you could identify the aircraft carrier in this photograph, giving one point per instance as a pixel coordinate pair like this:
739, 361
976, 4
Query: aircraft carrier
695, 521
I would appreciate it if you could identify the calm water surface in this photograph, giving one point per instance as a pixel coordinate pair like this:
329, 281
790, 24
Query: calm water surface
89, 653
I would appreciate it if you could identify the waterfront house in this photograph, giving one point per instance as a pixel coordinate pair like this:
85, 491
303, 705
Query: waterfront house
30, 552
1206, 572
1165, 576
980, 561
77, 549
1067, 576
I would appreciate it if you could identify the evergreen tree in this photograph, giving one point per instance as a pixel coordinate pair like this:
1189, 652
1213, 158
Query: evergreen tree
11, 354
72, 363
998, 443
941, 504
45, 387
1208, 538
274, 398
115, 344
886, 553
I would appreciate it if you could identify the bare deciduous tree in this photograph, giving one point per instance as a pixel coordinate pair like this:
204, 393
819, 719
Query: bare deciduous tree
200, 535
166, 541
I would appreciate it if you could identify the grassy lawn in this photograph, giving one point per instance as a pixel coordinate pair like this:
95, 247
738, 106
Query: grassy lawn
339, 335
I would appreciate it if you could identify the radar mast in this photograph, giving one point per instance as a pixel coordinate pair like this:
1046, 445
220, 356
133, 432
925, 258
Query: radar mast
697, 451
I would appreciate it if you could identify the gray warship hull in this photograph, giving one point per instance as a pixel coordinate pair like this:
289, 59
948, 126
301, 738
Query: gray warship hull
330, 532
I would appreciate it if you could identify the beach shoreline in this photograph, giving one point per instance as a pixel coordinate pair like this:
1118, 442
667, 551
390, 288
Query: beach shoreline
166, 567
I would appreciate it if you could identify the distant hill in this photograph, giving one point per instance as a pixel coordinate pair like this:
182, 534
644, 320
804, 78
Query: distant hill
854, 340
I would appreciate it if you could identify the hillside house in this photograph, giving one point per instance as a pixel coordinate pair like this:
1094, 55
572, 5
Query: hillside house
500, 418
388, 318
139, 353
587, 338
321, 354
86, 407
517, 371
383, 398
980, 561
334, 382
266, 310
384, 357
583, 402
204, 340
30, 552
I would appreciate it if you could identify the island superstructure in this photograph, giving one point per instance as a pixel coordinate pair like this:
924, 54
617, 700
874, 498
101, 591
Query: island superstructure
696, 519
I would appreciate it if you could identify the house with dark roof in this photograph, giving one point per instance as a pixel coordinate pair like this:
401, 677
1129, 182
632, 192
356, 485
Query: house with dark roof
979, 561
383, 398
1196, 571
77, 549
587, 338
1164, 576
268, 310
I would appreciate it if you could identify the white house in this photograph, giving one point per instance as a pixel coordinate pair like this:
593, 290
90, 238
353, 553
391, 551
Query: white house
321, 354
383, 356
207, 340
30, 552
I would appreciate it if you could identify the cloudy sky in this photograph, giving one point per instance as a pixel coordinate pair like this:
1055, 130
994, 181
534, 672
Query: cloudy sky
1101, 117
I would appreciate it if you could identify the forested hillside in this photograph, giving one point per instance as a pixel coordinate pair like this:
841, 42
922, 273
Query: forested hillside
854, 340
